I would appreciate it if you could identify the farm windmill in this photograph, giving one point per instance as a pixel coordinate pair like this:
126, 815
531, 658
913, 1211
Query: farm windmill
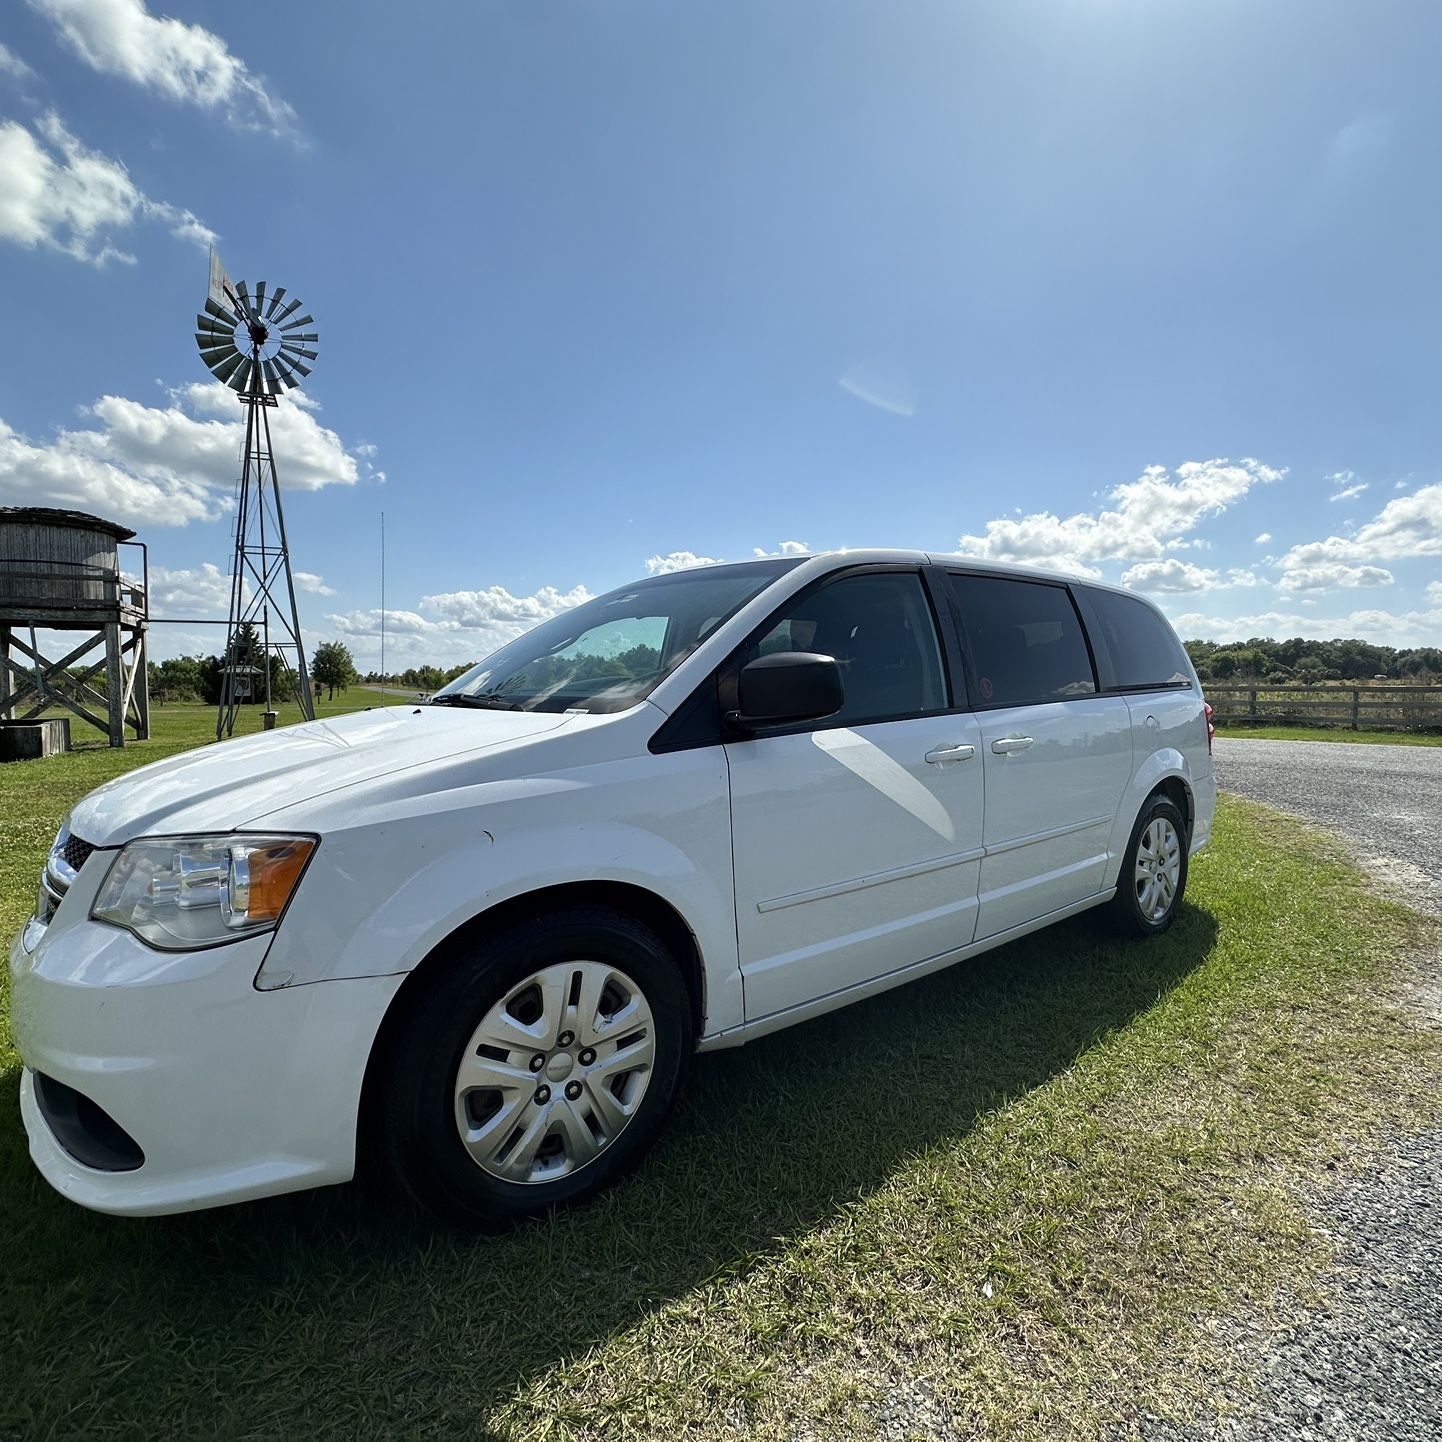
252, 344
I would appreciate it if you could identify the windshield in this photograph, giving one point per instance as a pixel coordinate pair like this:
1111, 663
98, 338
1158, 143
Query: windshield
610, 653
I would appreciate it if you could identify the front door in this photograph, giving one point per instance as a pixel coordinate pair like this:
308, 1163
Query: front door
857, 839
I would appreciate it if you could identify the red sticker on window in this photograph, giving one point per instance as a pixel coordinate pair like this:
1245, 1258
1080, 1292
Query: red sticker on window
986, 688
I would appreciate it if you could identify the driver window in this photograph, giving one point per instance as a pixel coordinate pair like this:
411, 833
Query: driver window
878, 625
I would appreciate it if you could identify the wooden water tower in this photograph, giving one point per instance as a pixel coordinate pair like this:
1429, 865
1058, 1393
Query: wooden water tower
60, 573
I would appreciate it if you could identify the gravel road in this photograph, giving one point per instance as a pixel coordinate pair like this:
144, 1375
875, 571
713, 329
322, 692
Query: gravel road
1367, 1367
1385, 800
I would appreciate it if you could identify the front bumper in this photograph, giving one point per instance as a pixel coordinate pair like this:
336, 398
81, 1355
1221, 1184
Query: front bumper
231, 1093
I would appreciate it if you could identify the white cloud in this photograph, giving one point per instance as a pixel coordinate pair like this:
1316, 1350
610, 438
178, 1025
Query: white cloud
454, 625
309, 581
1332, 575
1409, 525
12, 64
1351, 487
1168, 575
1263, 538
185, 63
165, 465
1147, 517
685, 560
1434, 594
204, 589
677, 561
1386, 628
1239, 577
56, 192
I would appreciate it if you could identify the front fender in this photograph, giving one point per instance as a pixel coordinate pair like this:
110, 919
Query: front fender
381, 896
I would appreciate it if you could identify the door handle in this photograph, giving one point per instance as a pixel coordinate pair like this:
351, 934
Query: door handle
943, 754
1003, 744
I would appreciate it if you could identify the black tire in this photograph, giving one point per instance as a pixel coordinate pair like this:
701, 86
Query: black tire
1126, 912
417, 1132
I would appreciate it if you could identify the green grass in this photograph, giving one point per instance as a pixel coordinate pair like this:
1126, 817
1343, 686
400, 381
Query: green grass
1327, 733
1014, 1193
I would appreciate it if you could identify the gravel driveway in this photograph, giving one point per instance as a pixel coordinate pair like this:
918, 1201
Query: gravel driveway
1385, 800
1367, 1367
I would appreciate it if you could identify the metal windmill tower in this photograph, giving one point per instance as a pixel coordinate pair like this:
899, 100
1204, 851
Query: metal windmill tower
251, 343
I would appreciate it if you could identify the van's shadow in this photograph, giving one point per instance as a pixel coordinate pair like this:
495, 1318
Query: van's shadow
376, 1308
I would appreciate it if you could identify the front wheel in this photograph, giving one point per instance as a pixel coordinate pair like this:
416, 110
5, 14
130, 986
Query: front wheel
1154, 871
534, 1068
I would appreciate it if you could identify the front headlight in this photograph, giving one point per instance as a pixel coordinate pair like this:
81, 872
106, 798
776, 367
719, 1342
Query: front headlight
181, 892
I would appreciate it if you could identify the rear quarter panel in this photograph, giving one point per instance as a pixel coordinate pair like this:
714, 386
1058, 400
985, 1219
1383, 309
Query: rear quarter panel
1169, 738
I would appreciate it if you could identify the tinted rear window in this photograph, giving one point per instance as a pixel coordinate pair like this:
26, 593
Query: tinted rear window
1144, 650
1025, 638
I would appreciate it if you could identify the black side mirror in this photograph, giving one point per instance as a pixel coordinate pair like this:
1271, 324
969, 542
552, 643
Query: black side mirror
784, 687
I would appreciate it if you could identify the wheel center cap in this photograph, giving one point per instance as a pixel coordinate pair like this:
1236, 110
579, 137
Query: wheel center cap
559, 1066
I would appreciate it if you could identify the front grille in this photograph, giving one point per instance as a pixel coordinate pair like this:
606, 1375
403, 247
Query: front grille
75, 852
62, 866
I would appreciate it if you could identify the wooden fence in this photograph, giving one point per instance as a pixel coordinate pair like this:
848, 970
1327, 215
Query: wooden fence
1370, 708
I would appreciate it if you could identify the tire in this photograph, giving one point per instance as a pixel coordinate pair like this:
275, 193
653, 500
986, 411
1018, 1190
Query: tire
541, 1118
1153, 877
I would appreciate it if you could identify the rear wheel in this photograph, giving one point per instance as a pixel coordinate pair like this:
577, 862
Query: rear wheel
535, 1068
1154, 870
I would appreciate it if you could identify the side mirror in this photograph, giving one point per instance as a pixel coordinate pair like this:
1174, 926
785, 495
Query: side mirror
784, 687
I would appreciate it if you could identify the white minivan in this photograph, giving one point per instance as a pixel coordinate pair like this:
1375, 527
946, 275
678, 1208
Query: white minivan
476, 940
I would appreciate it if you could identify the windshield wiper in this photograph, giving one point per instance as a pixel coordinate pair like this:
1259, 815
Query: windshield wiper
484, 700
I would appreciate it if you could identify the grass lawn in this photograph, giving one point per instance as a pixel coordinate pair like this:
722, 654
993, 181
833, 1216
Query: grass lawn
1007, 1198
1327, 733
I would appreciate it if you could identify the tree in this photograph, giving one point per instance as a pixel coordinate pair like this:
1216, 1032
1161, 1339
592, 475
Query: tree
333, 666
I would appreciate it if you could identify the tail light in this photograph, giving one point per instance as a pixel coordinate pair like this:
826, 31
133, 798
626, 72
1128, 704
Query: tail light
1211, 729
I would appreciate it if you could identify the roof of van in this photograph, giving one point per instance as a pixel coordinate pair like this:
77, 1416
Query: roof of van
870, 556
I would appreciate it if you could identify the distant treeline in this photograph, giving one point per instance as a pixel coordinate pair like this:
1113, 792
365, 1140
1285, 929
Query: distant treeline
1302, 662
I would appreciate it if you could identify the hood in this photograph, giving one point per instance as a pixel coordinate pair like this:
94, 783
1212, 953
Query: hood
225, 786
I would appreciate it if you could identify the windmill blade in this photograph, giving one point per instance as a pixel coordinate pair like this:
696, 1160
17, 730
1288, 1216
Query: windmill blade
299, 350
283, 378
219, 312
260, 300
268, 366
240, 381
213, 340
307, 335
304, 320
294, 305
295, 365
228, 367
242, 297
216, 354
275, 301
209, 322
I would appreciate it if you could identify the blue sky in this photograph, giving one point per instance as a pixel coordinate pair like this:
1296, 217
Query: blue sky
1149, 290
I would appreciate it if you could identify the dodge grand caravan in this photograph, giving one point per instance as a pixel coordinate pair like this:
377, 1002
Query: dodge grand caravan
479, 938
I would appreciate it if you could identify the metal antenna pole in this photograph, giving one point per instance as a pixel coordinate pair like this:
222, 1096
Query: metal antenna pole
383, 608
